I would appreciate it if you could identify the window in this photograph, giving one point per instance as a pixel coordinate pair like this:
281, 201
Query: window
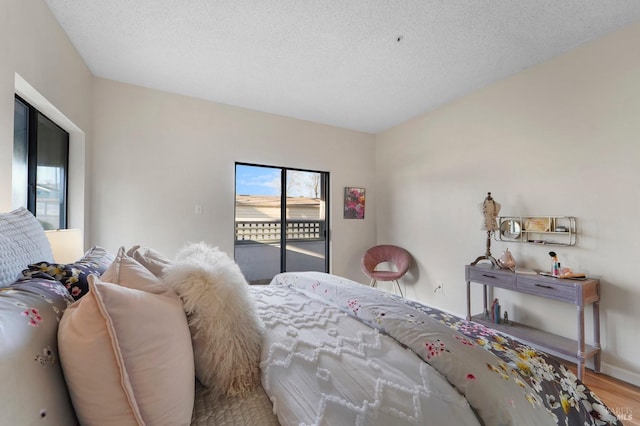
40, 166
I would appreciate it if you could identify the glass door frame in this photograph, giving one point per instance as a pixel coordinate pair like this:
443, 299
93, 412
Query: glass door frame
324, 195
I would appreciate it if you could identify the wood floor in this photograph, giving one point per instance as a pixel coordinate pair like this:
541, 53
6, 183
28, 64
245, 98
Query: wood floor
621, 397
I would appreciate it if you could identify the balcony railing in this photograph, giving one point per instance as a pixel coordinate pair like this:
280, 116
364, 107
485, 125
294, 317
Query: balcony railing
249, 231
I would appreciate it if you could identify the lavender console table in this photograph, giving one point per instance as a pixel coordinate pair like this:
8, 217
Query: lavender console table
578, 293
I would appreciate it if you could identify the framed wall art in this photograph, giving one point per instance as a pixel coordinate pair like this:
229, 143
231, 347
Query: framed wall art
354, 199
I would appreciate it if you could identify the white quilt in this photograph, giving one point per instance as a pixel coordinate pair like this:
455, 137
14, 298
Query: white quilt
322, 367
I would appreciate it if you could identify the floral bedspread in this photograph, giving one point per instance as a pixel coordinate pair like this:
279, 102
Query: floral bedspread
505, 381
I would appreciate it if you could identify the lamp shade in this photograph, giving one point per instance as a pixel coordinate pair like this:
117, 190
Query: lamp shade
66, 245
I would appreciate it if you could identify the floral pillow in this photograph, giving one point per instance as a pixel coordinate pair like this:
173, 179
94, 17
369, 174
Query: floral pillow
33, 390
74, 275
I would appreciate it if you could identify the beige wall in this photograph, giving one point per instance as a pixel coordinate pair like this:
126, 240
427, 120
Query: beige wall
157, 155
40, 64
559, 139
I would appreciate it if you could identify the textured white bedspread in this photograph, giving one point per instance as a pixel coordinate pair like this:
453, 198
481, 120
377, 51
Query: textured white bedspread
322, 367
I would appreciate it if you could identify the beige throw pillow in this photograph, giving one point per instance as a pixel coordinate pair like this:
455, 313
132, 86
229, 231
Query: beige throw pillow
149, 258
127, 357
225, 327
128, 272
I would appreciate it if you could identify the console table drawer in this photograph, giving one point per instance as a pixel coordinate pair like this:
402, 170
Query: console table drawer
547, 288
492, 278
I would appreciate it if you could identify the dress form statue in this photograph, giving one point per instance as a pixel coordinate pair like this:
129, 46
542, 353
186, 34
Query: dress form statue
490, 209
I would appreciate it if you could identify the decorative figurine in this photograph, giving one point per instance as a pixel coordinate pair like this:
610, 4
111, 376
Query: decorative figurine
490, 209
506, 260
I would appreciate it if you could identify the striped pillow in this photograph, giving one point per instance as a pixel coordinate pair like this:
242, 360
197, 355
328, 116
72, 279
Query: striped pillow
22, 242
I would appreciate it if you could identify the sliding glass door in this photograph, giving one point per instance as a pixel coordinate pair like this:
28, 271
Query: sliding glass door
280, 221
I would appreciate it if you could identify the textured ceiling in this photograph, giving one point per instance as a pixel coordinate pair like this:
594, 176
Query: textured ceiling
337, 62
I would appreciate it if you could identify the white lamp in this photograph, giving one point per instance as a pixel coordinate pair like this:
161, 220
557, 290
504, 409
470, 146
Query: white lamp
66, 245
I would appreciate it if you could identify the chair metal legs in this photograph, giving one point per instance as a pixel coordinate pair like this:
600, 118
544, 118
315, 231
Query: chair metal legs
374, 282
399, 289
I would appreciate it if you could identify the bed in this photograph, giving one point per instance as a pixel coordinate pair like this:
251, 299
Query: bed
332, 352
413, 364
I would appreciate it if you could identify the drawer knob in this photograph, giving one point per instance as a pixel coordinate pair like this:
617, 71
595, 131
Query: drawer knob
545, 286
489, 276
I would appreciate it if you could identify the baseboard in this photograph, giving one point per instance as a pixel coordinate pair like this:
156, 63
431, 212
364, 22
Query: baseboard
608, 369
620, 374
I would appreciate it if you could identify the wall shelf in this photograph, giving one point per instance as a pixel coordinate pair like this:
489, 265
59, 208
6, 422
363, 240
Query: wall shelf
544, 230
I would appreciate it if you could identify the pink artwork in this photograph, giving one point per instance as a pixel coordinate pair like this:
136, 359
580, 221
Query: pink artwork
354, 203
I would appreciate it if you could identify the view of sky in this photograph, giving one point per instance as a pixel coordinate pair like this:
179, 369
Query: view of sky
253, 180
257, 180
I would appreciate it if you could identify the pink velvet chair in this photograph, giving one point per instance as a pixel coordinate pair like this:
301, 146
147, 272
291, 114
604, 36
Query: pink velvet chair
397, 257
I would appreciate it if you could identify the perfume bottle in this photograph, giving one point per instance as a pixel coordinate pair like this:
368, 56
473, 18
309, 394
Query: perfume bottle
495, 311
555, 265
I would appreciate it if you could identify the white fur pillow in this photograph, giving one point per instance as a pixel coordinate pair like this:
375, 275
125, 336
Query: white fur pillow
225, 329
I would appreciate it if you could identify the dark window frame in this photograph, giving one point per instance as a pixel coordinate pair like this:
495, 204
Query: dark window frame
33, 114
326, 178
